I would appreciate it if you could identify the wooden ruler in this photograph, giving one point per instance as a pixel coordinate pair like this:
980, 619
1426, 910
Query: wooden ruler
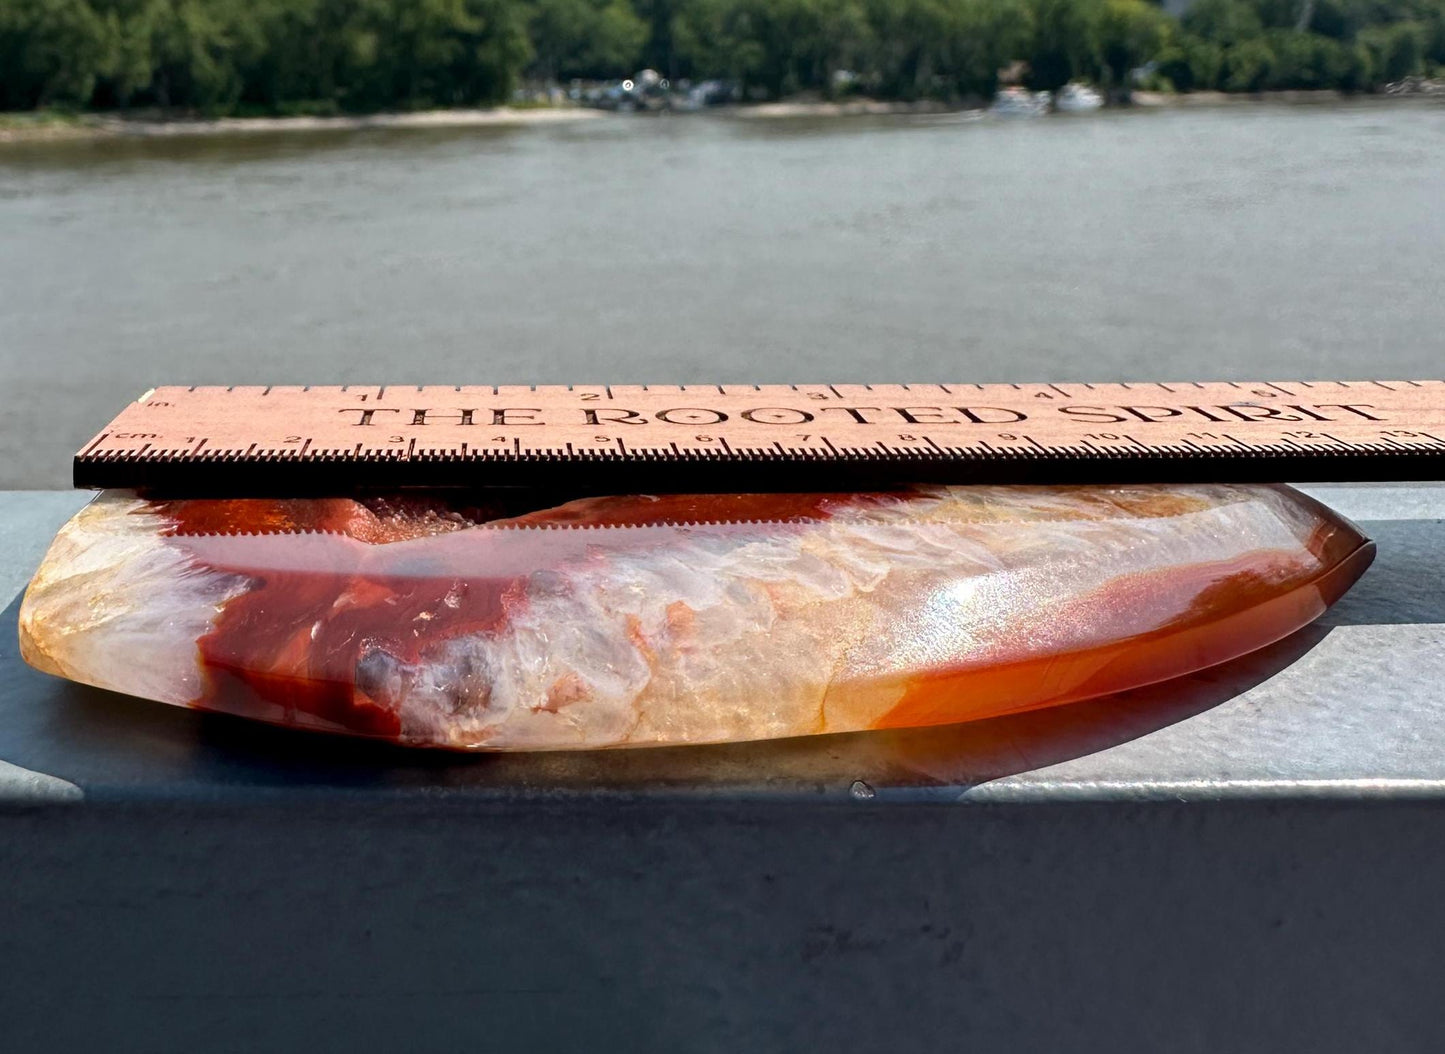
327, 440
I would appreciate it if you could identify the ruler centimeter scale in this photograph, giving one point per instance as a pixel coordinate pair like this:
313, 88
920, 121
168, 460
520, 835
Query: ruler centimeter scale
332, 440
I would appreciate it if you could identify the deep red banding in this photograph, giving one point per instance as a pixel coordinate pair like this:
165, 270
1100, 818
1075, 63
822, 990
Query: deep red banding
339, 599
300, 636
651, 510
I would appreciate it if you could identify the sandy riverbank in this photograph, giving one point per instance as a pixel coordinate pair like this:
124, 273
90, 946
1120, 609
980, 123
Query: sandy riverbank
27, 127
1220, 98
1143, 99
849, 108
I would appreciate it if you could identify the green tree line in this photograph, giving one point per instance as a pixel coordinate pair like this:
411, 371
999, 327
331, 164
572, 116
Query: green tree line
289, 56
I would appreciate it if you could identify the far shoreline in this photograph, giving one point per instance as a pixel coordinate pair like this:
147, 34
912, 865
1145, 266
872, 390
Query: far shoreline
29, 127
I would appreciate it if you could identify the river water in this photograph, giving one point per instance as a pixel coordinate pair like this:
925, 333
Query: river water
1243, 241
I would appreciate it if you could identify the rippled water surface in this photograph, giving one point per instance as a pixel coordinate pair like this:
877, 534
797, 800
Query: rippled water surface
1248, 241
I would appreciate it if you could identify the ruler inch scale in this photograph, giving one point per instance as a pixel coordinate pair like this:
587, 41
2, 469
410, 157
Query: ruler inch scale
320, 440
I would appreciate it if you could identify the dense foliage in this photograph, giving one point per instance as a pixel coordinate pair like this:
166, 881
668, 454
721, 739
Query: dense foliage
279, 56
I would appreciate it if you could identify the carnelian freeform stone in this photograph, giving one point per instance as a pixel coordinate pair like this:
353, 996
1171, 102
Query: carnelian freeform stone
641, 620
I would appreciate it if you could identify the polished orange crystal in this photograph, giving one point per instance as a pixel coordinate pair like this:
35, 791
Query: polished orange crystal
675, 619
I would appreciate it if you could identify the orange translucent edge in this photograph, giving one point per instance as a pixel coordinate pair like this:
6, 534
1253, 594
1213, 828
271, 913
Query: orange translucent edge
1222, 633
